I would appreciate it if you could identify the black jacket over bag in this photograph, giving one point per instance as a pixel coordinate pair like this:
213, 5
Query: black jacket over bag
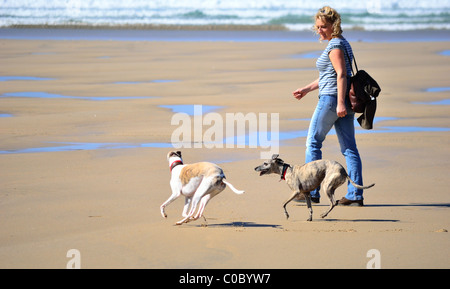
364, 98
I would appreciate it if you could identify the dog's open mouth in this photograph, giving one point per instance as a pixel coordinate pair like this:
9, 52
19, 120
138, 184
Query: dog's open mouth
262, 173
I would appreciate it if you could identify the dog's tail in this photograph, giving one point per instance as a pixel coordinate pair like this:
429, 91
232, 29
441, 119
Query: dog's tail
358, 186
233, 188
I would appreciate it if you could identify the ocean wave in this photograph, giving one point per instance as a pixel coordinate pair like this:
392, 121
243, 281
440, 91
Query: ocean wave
292, 14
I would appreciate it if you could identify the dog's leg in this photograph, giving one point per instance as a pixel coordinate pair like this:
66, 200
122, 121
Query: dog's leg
199, 193
330, 184
189, 215
308, 204
173, 197
187, 202
330, 194
203, 202
288, 201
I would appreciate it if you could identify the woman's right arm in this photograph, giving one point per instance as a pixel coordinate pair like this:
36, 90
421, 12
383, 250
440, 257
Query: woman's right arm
301, 92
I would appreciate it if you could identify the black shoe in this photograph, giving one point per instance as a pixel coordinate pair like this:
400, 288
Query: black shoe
315, 200
301, 199
350, 203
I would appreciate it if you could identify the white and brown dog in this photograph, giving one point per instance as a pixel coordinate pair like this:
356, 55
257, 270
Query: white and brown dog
198, 182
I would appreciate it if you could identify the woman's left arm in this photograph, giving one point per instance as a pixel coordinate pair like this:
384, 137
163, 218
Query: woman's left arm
338, 61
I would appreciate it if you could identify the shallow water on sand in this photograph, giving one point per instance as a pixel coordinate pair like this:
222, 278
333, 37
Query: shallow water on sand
34, 78
40, 94
242, 140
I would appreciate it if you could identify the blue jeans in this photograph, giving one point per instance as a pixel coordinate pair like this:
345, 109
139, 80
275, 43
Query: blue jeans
323, 119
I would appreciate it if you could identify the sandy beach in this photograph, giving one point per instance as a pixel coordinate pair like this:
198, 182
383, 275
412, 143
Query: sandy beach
83, 145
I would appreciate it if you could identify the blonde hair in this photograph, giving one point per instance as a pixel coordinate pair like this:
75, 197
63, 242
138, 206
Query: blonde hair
331, 16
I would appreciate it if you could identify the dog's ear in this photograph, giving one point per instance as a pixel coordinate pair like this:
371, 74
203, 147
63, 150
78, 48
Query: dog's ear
275, 156
177, 154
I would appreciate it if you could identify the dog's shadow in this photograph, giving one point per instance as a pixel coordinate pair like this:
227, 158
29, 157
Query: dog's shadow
243, 225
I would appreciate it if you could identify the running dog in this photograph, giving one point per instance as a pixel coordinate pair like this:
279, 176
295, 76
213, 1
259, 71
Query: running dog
303, 179
198, 182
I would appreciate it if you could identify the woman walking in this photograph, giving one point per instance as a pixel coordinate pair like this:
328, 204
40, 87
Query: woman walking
332, 109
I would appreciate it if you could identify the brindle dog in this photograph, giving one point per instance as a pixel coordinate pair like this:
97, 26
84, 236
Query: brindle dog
303, 179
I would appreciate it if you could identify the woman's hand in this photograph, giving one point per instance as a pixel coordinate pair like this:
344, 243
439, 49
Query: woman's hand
300, 93
341, 110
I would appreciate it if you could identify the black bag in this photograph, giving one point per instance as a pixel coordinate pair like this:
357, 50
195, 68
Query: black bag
363, 88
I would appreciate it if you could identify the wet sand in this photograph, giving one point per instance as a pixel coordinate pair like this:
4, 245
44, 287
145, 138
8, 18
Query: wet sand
104, 200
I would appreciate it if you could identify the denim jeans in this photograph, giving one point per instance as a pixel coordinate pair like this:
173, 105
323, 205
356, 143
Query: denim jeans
323, 119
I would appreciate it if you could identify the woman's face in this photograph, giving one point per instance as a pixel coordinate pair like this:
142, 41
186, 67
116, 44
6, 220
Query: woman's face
324, 29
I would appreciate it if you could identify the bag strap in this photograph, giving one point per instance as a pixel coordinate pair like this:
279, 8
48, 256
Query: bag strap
349, 60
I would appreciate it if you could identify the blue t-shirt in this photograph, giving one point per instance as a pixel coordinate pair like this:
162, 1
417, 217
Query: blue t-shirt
327, 74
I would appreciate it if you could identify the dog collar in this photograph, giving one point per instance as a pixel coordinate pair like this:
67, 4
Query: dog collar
174, 164
283, 173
